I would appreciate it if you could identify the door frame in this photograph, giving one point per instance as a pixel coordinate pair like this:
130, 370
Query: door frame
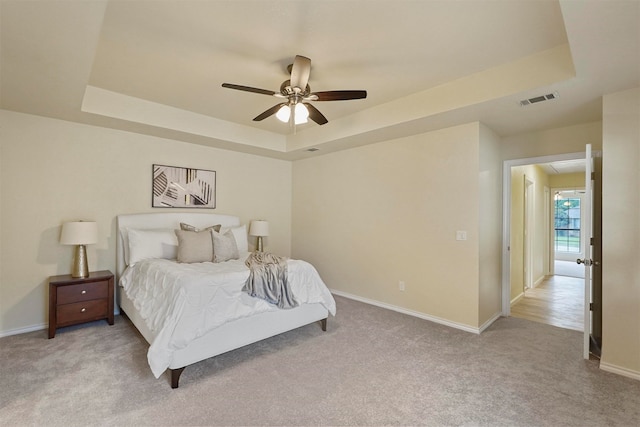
529, 220
506, 216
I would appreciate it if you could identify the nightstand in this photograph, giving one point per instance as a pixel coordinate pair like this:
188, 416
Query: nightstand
80, 300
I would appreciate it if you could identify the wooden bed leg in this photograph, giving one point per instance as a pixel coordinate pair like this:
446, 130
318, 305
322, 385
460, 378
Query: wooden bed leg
175, 376
323, 324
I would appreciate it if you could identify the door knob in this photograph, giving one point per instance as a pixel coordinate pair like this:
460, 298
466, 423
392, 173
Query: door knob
585, 261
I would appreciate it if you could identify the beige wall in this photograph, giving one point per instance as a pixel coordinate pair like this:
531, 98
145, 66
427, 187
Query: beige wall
54, 171
490, 251
621, 233
540, 264
372, 216
570, 139
567, 180
618, 137
366, 217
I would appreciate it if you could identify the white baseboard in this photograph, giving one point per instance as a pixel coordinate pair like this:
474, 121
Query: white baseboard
629, 373
24, 330
402, 310
39, 327
489, 322
430, 318
516, 299
540, 280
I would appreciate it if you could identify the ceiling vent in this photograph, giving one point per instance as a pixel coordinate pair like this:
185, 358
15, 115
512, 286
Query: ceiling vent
537, 99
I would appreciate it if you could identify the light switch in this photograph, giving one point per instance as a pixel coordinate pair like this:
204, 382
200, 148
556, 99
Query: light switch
461, 235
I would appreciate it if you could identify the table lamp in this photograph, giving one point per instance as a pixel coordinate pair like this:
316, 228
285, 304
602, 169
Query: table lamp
259, 229
79, 233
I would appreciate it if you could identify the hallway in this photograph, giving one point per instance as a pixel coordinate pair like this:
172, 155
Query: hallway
558, 301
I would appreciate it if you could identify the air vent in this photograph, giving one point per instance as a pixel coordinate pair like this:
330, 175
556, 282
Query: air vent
537, 99
311, 150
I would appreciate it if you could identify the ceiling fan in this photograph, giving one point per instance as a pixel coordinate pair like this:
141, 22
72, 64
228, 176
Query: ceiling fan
297, 94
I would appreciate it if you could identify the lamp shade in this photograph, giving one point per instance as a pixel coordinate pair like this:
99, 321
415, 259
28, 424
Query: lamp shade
79, 233
284, 113
302, 114
259, 228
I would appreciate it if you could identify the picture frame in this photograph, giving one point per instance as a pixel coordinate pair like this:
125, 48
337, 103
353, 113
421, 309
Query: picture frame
181, 187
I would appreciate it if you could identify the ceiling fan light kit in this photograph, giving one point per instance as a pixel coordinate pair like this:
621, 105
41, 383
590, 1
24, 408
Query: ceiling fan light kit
300, 114
297, 110
284, 113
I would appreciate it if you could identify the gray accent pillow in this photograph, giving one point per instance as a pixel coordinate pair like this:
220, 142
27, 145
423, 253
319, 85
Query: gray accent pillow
194, 246
189, 227
224, 246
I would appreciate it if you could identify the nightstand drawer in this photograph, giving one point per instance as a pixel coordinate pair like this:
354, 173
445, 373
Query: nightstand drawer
80, 299
82, 311
83, 292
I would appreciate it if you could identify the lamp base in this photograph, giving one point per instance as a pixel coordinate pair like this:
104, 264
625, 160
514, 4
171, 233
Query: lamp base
259, 244
80, 268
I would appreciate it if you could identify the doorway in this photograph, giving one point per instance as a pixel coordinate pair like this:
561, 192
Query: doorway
513, 239
529, 228
548, 290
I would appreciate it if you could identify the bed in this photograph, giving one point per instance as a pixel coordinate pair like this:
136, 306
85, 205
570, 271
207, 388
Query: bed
156, 293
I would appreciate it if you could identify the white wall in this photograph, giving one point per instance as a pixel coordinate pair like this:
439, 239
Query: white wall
54, 171
372, 216
621, 233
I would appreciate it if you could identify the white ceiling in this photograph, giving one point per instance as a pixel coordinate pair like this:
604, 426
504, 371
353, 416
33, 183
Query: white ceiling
157, 67
564, 166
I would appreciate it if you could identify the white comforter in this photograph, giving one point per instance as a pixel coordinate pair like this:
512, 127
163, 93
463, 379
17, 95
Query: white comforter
181, 302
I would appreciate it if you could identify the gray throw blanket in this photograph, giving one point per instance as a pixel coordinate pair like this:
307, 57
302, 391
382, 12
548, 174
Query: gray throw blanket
268, 279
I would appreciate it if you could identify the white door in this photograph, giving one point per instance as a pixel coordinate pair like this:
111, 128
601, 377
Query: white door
586, 247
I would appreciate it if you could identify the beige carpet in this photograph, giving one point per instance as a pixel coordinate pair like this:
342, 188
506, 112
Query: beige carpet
372, 367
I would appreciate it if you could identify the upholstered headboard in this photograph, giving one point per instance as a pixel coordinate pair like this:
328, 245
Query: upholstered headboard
159, 221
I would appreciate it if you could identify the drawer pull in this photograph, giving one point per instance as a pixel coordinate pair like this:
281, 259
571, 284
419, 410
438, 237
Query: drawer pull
83, 310
83, 292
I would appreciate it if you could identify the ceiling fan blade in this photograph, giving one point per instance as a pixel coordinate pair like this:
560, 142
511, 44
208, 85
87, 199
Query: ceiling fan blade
338, 95
300, 73
248, 89
271, 111
315, 115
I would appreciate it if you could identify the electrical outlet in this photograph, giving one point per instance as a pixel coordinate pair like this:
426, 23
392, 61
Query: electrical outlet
401, 285
461, 235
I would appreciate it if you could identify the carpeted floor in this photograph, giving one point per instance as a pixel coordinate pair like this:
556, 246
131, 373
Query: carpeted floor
568, 268
372, 367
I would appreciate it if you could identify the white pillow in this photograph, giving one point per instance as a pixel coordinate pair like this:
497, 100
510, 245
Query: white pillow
240, 234
151, 243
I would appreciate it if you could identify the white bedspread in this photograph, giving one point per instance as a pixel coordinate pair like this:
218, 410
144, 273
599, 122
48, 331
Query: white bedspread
182, 302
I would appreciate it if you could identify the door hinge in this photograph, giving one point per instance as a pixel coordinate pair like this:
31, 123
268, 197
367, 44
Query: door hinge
592, 241
592, 306
593, 176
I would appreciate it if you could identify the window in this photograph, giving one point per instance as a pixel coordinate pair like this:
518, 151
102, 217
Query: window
567, 224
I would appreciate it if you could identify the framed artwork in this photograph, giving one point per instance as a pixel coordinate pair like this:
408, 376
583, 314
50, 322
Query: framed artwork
176, 187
